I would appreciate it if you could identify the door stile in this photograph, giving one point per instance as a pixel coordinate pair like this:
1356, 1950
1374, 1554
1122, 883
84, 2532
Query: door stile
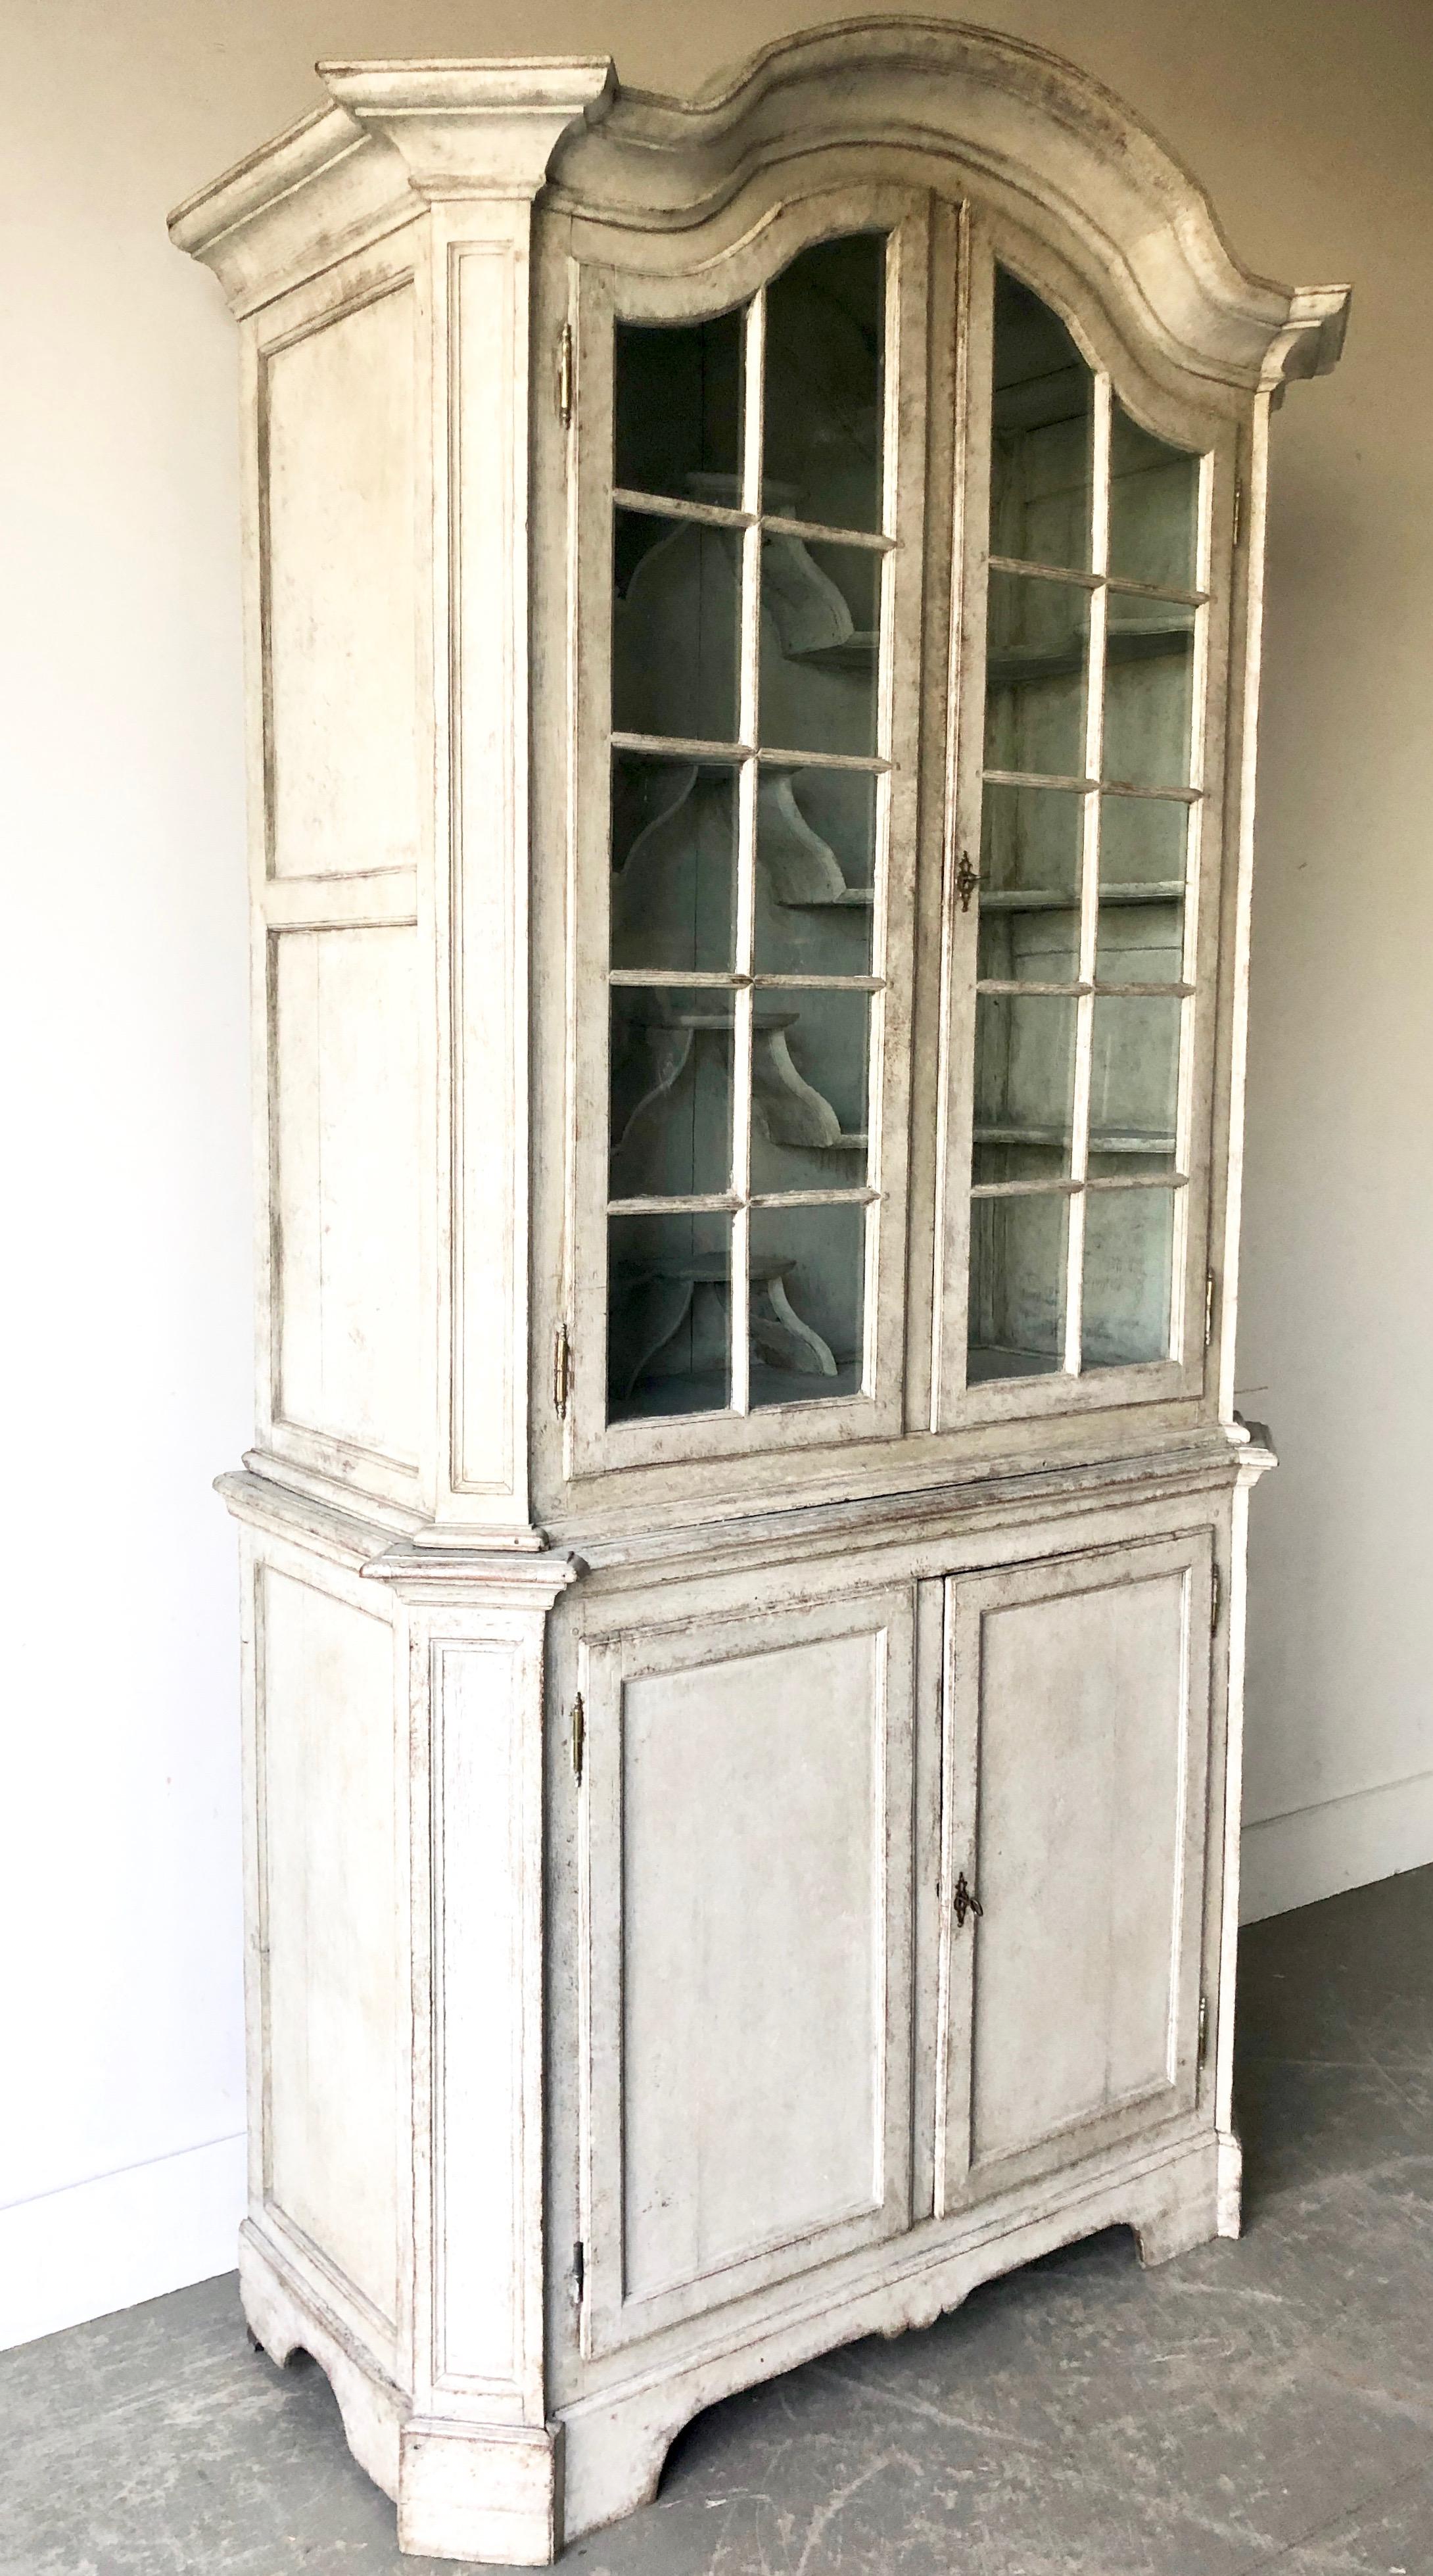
945, 466
960, 1754
960, 922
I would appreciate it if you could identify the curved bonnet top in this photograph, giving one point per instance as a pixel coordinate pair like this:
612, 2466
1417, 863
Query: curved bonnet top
1060, 151
1054, 148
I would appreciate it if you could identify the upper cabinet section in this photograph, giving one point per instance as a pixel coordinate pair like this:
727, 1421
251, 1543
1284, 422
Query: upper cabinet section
750, 658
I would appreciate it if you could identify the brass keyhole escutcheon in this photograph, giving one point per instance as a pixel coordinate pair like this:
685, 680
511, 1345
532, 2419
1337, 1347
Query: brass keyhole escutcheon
964, 1901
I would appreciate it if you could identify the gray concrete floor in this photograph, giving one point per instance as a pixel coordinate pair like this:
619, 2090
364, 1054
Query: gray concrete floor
1261, 2405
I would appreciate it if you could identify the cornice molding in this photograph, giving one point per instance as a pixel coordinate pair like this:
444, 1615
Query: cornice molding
396, 137
1052, 147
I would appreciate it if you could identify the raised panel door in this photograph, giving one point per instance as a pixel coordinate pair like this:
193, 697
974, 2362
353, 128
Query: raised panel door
748, 1841
1077, 1753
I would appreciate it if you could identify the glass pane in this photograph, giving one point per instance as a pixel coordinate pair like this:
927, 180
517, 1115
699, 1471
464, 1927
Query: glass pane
1017, 1286
1134, 1083
677, 402
1143, 845
1035, 675
671, 1092
673, 865
1030, 841
675, 628
1154, 507
809, 1056
1032, 943
1041, 444
808, 1283
668, 1315
1142, 873
820, 645
1149, 692
1129, 1254
1024, 1084
815, 871
825, 336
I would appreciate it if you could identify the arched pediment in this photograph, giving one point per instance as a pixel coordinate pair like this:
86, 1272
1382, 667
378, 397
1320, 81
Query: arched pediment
1056, 149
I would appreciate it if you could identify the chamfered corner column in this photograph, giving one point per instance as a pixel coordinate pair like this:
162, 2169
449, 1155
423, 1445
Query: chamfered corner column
479, 2467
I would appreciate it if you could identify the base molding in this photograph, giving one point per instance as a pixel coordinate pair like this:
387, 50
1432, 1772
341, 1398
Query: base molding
513, 2495
286, 2319
489, 2492
616, 2441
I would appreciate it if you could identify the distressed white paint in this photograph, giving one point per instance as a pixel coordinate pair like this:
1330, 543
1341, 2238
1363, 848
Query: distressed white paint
344, 1134
338, 421
689, 1991
330, 2035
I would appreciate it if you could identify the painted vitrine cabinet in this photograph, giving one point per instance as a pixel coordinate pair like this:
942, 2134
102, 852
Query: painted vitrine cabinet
754, 630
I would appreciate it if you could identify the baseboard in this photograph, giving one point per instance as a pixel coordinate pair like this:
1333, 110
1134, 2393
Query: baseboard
107, 2244
1345, 1842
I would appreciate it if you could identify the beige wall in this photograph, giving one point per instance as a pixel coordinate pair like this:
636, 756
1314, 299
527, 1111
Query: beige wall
1309, 120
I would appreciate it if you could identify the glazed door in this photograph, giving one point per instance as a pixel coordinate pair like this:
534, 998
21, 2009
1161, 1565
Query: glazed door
1082, 890
1076, 1758
747, 1838
750, 522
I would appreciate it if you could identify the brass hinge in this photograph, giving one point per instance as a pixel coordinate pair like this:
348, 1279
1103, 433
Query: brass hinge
1238, 511
564, 376
561, 1371
1208, 1308
1216, 1600
1203, 2028
577, 2277
578, 1736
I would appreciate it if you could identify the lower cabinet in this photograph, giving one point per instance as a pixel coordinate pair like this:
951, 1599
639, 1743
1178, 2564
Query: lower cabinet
777, 1803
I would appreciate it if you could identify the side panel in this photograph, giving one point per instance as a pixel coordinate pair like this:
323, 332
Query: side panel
339, 506
1079, 1709
345, 1143
339, 608
749, 1866
330, 1895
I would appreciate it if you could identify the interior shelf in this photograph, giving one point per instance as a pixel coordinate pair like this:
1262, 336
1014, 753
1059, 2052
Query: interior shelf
852, 899
1141, 643
854, 652
1113, 1140
1042, 899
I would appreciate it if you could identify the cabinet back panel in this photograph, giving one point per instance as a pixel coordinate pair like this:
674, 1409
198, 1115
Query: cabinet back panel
340, 593
752, 1954
1081, 1753
345, 1182
328, 1897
